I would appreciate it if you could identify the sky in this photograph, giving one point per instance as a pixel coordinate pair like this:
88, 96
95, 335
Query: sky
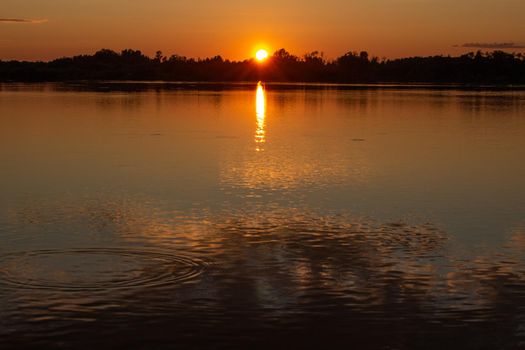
235, 29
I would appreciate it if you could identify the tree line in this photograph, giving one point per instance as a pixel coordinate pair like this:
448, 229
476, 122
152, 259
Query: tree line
495, 67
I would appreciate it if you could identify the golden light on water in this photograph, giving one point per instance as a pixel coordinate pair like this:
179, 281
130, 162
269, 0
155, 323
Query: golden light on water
261, 55
260, 113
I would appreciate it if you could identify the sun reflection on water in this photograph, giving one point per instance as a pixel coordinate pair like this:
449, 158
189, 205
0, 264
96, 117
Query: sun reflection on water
260, 112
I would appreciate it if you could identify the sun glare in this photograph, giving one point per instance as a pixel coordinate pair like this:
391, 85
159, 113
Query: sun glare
260, 113
261, 55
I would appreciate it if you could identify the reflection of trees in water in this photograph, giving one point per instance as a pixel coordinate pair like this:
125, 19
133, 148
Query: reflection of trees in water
364, 276
330, 252
504, 106
287, 261
294, 276
353, 278
303, 257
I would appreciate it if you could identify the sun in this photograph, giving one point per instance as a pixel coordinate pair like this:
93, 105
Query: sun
261, 55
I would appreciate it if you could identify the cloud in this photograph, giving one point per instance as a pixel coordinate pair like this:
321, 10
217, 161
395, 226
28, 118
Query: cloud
22, 20
503, 45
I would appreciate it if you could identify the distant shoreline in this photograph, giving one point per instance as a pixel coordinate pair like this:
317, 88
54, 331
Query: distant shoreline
495, 68
134, 85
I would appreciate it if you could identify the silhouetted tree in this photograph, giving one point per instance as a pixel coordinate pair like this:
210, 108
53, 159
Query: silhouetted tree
495, 67
158, 56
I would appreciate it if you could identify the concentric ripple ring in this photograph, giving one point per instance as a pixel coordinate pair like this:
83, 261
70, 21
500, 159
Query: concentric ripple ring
97, 269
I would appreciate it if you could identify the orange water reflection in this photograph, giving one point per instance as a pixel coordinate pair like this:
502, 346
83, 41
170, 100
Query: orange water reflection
260, 113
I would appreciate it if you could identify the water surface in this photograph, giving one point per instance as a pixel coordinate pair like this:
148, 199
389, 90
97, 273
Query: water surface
153, 216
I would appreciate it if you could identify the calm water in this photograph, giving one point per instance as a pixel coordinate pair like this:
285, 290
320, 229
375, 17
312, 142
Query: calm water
242, 216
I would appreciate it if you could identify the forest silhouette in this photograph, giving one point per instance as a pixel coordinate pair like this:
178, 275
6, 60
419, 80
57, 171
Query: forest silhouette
495, 67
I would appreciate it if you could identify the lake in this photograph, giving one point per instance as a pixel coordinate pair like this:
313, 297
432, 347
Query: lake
155, 215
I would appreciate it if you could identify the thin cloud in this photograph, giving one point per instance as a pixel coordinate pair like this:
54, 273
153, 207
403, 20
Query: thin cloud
22, 20
496, 45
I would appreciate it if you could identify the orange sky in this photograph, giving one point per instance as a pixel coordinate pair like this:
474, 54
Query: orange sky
234, 28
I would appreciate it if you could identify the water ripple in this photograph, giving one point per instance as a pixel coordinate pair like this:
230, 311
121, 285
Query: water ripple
97, 269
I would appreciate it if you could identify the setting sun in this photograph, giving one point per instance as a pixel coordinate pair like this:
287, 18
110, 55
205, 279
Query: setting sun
276, 173
261, 55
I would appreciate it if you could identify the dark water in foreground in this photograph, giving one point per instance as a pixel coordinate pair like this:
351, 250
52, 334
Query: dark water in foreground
277, 218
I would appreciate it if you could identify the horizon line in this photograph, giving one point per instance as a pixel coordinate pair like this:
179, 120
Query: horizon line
488, 49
